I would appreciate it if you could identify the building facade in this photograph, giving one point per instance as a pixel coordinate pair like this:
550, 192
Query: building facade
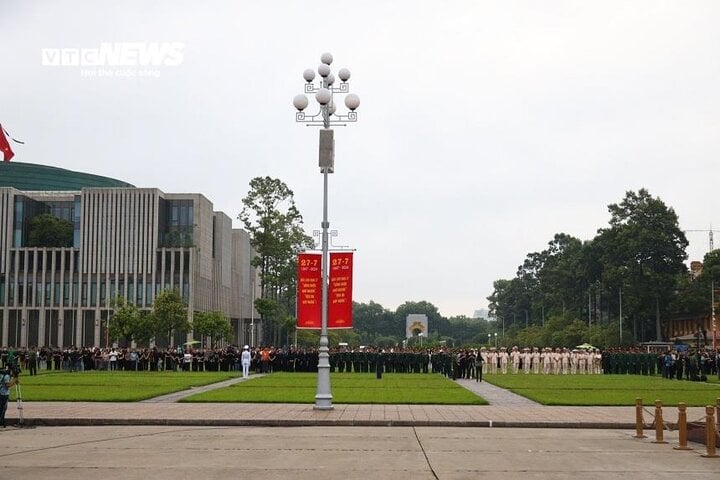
134, 242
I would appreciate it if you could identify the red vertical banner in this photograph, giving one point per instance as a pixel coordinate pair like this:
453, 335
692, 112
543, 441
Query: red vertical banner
340, 290
309, 294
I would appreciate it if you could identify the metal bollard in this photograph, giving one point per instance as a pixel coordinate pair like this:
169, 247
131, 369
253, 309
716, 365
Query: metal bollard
682, 428
659, 424
710, 433
639, 423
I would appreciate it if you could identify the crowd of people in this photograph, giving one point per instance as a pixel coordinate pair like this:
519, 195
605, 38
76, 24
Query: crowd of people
454, 363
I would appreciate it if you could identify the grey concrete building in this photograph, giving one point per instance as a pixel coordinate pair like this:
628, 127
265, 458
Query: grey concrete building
127, 241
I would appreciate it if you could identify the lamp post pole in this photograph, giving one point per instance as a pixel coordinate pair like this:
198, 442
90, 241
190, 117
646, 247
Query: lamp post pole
712, 300
252, 313
325, 118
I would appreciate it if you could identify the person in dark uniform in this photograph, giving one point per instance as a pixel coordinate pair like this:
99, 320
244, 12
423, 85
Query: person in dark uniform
478, 367
379, 364
33, 361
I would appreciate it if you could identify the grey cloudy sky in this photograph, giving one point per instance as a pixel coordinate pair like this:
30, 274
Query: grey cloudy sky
485, 126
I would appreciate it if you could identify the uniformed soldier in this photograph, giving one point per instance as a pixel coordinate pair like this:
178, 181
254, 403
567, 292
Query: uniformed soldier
515, 358
504, 358
479, 364
526, 358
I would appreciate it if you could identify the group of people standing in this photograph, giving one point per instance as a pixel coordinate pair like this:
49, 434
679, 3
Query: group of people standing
455, 363
558, 361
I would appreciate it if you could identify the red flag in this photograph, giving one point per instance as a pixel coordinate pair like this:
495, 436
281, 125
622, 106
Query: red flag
340, 298
5, 146
309, 285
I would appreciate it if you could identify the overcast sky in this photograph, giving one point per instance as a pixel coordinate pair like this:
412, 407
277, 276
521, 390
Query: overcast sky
485, 127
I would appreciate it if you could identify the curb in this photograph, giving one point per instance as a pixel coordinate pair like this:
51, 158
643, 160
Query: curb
184, 422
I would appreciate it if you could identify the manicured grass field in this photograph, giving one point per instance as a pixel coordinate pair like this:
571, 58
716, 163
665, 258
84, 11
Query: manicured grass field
393, 388
111, 386
608, 389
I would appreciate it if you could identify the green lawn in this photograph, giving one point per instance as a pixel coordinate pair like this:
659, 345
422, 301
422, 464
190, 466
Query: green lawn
356, 388
608, 389
111, 386
393, 388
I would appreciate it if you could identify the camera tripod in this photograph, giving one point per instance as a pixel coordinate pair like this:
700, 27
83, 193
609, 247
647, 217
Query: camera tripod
18, 399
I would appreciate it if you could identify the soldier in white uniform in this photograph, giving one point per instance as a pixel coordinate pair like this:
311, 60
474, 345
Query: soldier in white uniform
547, 360
536, 360
504, 357
515, 358
565, 361
574, 362
526, 358
582, 362
556, 357
492, 361
245, 361
597, 361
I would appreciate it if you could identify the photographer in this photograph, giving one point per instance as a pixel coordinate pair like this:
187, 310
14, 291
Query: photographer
6, 382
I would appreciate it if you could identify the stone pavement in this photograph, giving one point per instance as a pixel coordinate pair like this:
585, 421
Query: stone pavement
164, 439
505, 410
349, 453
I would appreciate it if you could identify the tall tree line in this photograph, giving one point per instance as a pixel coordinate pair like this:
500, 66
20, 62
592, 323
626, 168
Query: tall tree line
635, 263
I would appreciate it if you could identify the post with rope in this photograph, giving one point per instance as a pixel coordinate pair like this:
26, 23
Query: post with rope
659, 425
682, 428
710, 433
717, 412
639, 422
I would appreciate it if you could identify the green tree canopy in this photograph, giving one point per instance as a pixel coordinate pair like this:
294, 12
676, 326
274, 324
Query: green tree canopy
47, 230
276, 233
169, 315
214, 325
639, 256
124, 321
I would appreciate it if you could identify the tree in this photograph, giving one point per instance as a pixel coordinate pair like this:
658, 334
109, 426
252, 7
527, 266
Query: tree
640, 253
129, 323
47, 230
124, 321
214, 325
169, 315
276, 233
145, 328
644, 249
695, 294
371, 320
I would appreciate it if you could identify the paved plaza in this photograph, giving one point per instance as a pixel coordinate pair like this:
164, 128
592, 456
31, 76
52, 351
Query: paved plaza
413, 453
162, 438
506, 409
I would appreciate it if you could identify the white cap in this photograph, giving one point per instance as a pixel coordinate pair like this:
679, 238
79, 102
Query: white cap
246, 347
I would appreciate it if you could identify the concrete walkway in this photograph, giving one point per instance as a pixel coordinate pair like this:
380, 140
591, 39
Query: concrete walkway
496, 395
177, 396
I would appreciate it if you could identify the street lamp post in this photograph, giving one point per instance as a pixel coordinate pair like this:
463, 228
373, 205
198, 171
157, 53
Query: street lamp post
489, 335
324, 89
420, 335
496, 344
712, 301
